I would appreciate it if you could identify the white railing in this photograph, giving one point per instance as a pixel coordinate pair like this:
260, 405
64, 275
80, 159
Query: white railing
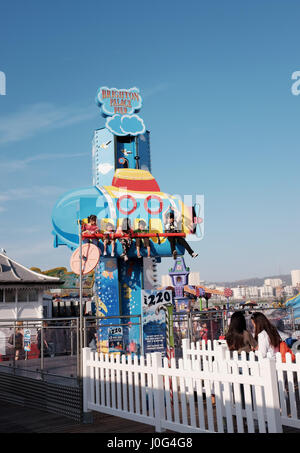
287, 374
288, 377
191, 397
201, 351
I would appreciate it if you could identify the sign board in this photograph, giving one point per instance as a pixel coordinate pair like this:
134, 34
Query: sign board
115, 339
118, 106
155, 320
27, 340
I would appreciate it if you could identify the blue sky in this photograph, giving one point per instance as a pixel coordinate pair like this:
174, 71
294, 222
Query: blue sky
215, 78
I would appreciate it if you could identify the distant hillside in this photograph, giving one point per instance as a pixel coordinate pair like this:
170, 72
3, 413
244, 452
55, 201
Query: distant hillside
253, 281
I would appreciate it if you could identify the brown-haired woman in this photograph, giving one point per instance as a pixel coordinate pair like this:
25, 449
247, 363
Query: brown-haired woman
238, 338
266, 335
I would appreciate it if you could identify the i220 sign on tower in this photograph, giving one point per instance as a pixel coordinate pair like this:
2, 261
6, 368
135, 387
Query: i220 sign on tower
155, 320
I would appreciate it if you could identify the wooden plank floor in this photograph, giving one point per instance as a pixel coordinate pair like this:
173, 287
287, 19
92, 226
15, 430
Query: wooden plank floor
19, 419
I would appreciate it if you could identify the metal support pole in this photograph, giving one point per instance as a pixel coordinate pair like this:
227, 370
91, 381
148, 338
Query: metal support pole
200, 303
79, 338
223, 323
189, 321
80, 284
42, 351
137, 157
72, 338
84, 333
14, 345
79, 374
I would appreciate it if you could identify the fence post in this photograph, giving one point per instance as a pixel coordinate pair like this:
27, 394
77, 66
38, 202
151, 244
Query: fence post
86, 355
268, 372
219, 350
42, 350
185, 346
158, 389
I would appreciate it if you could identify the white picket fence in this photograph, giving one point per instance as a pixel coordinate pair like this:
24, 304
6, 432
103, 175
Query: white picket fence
194, 396
287, 374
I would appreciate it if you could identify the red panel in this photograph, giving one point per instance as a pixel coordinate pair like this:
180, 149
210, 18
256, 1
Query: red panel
137, 185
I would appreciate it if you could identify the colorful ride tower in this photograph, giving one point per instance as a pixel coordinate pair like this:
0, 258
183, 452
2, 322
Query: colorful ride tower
123, 188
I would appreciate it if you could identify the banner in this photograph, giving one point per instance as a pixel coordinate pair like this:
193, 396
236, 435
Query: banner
115, 339
155, 320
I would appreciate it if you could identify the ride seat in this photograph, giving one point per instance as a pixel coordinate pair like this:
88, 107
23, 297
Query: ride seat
104, 222
155, 226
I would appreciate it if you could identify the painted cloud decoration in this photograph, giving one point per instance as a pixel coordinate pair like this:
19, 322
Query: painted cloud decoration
126, 125
113, 123
105, 168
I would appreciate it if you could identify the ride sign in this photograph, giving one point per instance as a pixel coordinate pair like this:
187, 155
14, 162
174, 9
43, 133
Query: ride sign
119, 107
115, 339
155, 320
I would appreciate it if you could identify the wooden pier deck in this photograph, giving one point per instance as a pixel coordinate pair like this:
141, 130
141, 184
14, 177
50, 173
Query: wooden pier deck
19, 419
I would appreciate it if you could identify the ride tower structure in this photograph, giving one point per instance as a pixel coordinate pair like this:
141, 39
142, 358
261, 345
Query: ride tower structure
123, 189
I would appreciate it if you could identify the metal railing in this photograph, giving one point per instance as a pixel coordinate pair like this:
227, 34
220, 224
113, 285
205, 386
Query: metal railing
54, 345
213, 324
51, 348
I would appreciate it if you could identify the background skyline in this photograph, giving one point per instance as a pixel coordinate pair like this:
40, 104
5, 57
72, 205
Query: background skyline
215, 79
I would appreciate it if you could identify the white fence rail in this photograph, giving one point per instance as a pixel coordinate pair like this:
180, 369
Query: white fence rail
287, 374
195, 396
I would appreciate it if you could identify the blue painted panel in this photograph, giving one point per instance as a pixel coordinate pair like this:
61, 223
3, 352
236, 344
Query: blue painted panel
107, 297
103, 155
74, 205
130, 277
144, 151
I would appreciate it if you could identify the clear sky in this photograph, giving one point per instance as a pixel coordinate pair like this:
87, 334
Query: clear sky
215, 78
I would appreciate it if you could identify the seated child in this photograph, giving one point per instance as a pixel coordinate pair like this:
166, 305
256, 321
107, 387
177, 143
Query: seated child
89, 229
126, 242
172, 226
109, 238
142, 228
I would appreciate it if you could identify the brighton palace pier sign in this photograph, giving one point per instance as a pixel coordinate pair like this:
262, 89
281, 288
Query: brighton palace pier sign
120, 108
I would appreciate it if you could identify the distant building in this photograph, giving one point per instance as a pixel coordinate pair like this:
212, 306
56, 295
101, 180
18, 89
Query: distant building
241, 292
274, 282
295, 278
21, 291
289, 291
194, 279
254, 292
267, 291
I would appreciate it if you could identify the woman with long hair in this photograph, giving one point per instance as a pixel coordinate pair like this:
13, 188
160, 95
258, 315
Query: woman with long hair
238, 338
265, 334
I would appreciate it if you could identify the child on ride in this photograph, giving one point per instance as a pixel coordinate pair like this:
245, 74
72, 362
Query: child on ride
109, 238
90, 229
142, 228
126, 241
